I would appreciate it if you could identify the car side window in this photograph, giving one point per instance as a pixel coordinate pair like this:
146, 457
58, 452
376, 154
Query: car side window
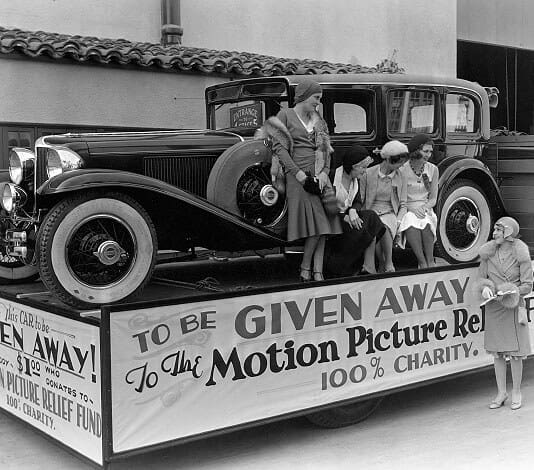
349, 111
460, 114
411, 111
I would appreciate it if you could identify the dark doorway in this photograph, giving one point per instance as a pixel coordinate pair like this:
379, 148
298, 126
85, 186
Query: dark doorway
509, 69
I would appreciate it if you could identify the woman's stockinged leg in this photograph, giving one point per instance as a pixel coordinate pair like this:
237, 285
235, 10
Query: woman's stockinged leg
500, 376
386, 243
428, 246
369, 258
517, 376
415, 240
309, 249
318, 258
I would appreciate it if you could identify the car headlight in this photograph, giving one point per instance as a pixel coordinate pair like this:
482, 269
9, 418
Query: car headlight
21, 164
13, 196
61, 159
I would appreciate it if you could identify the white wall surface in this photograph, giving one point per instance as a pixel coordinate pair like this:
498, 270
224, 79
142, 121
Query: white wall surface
506, 23
51, 93
357, 31
135, 20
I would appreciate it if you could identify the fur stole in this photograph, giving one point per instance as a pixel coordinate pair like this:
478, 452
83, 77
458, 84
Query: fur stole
521, 251
522, 254
274, 129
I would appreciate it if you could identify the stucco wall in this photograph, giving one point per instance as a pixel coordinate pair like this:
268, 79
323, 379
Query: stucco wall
508, 23
136, 20
358, 31
62, 94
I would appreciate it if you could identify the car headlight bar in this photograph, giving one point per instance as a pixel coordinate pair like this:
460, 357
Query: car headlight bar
21, 165
61, 159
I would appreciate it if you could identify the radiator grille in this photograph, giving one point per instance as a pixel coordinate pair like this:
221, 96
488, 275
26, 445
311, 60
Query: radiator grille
40, 167
186, 172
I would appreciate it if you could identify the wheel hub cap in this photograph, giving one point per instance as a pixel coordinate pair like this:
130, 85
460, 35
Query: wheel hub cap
268, 195
109, 252
472, 224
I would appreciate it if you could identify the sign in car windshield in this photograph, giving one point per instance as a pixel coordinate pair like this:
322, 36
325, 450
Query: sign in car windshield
249, 115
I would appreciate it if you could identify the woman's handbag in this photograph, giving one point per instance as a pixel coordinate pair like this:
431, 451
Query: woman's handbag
328, 198
311, 185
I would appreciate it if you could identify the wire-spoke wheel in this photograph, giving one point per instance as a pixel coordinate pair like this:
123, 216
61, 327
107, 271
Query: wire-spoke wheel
465, 221
95, 251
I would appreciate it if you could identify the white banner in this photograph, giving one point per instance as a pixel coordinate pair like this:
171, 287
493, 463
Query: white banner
186, 369
50, 375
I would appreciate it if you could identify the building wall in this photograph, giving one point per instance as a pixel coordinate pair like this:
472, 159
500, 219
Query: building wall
84, 95
362, 31
348, 31
504, 23
135, 20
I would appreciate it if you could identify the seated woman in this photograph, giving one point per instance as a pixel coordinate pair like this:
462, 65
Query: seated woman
419, 224
384, 192
361, 228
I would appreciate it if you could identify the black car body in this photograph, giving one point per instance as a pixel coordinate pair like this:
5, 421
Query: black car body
90, 211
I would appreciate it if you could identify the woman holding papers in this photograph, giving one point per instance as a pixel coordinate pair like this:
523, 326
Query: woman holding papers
505, 277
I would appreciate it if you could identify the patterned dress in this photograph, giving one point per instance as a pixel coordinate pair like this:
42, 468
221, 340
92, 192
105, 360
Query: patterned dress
419, 196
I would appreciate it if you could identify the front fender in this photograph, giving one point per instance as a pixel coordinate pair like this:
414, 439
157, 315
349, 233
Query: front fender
231, 230
77, 180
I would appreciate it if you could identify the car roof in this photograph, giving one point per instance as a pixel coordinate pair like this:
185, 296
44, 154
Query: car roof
375, 78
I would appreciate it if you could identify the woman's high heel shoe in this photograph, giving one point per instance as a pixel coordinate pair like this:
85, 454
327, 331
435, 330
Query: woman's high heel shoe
516, 404
305, 274
318, 276
498, 403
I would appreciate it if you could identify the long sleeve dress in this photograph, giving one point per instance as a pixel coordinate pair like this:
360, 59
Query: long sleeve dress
386, 195
501, 270
306, 215
344, 253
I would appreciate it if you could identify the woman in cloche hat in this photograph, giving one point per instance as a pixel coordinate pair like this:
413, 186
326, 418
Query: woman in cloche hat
505, 276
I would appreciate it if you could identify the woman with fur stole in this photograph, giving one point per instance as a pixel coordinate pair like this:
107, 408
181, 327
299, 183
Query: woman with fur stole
301, 142
505, 277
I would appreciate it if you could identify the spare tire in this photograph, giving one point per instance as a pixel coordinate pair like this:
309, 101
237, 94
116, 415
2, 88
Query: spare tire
240, 182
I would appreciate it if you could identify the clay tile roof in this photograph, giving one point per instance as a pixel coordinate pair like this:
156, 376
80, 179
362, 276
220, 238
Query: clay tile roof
175, 58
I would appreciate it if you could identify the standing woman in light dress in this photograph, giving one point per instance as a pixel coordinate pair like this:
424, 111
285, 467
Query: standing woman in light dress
384, 191
419, 224
505, 277
301, 141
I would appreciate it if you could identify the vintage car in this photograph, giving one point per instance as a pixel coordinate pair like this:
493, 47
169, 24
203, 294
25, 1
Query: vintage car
88, 212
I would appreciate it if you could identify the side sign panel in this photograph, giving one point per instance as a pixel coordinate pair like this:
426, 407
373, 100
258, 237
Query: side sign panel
50, 375
183, 370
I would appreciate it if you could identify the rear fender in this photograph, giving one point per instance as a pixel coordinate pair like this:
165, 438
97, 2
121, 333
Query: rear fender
181, 218
474, 170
